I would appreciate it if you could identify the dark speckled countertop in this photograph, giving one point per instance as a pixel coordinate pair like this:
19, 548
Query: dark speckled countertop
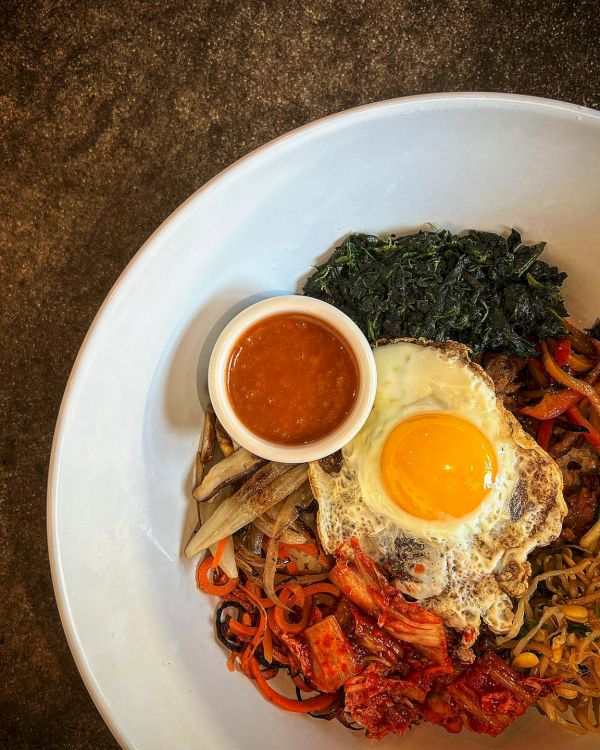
111, 114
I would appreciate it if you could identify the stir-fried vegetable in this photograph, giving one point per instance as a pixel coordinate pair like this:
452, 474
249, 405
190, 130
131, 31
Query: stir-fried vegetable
559, 363
575, 384
208, 436
268, 486
223, 439
236, 466
354, 647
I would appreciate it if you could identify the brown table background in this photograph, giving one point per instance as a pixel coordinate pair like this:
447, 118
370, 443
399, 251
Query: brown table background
111, 114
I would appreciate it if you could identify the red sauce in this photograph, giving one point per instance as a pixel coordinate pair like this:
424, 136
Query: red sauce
292, 379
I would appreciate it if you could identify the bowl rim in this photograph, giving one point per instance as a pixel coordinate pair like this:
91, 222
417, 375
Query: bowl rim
344, 326
144, 255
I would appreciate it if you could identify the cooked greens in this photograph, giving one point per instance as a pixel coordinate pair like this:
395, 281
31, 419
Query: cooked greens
481, 289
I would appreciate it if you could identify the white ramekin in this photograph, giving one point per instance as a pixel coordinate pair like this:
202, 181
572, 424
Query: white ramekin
217, 385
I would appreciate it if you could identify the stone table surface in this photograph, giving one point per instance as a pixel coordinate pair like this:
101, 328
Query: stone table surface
111, 114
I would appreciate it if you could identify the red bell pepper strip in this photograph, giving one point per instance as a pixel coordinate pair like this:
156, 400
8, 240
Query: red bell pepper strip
562, 349
592, 435
553, 404
544, 433
558, 374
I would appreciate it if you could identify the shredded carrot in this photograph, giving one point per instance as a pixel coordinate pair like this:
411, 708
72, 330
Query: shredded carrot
299, 682
252, 588
256, 591
238, 628
309, 705
245, 660
279, 655
231, 661
219, 552
283, 624
268, 644
246, 619
321, 588
262, 625
205, 583
299, 593
275, 629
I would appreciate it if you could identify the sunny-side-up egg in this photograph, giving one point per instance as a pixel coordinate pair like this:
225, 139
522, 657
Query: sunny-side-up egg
443, 487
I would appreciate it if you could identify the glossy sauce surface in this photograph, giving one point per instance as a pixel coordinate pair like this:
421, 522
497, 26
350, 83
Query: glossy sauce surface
292, 379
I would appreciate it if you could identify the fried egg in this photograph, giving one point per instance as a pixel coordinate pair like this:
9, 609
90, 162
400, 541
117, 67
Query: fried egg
442, 487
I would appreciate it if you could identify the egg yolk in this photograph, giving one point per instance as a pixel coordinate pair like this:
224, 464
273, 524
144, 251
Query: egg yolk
437, 466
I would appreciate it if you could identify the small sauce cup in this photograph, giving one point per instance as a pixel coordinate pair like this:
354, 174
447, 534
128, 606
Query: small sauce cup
331, 317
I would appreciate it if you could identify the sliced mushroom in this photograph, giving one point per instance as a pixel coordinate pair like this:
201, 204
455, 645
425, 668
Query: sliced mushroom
198, 470
223, 439
236, 466
207, 443
247, 503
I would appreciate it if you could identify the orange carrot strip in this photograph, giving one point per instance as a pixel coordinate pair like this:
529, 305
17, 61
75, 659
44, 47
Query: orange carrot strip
298, 592
268, 645
299, 682
205, 584
321, 588
262, 625
231, 661
219, 552
279, 655
283, 624
289, 704
238, 628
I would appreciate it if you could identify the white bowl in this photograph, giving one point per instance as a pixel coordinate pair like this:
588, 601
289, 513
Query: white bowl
339, 321
119, 508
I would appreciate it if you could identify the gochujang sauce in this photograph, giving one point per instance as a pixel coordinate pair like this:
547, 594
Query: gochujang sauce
292, 379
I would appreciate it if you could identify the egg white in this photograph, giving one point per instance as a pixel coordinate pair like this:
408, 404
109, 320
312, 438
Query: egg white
467, 567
